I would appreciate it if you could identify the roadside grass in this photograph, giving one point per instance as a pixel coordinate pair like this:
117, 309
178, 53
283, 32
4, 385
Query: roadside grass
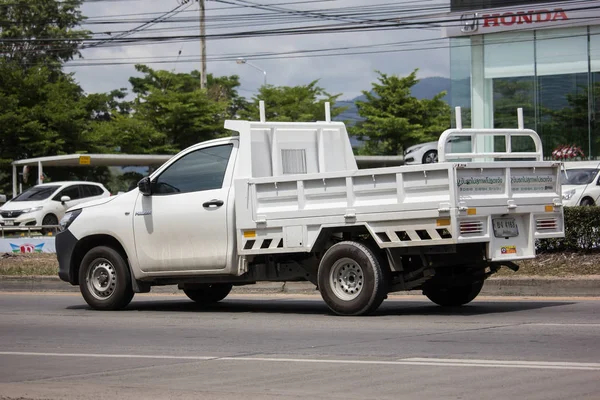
34, 264
547, 264
558, 265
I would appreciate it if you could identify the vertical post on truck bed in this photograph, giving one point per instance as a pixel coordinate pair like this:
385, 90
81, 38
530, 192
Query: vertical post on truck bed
327, 112
521, 124
261, 106
14, 181
40, 173
458, 116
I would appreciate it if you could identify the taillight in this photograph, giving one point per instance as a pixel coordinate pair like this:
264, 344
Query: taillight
471, 227
546, 224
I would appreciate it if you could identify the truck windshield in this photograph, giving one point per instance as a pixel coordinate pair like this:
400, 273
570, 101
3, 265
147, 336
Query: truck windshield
578, 176
36, 193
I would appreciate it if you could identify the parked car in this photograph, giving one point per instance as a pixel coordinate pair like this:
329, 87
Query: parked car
581, 183
46, 204
424, 153
427, 153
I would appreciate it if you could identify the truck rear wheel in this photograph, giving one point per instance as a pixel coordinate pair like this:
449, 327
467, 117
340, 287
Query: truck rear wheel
208, 294
351, 279
453, 296
104, 279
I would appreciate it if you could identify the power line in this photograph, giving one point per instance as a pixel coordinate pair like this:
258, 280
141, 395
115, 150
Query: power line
298, 56
274, 55
209, 8
282, 31
140, 28
368, 49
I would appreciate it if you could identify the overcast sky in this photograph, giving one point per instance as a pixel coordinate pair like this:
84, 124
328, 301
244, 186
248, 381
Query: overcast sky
347, 74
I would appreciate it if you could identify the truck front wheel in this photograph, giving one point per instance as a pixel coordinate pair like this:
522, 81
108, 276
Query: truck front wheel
104, 279
453, 296
208, 294
351, 279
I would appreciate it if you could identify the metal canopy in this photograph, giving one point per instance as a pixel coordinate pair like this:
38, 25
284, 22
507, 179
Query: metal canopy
96, 160
89, 160
149, 160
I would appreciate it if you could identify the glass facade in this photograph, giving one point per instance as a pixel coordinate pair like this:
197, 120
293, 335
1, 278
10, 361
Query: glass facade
553, 74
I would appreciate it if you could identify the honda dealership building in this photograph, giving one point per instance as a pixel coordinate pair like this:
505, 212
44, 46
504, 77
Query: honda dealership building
543, 56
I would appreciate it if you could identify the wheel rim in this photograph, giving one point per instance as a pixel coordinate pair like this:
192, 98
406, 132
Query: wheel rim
101, 280
431, 158
346, 279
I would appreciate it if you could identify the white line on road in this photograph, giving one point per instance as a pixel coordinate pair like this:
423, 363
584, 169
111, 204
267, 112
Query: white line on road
438, 362
566, 325
93, 355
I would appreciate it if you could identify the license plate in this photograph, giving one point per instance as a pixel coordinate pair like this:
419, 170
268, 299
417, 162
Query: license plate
9, 223
505, 227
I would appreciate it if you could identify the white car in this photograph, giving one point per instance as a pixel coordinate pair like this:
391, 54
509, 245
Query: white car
46, 204
427, 153
424, 153
581, 183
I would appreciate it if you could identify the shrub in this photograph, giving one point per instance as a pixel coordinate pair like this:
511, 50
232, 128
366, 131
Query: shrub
582, 232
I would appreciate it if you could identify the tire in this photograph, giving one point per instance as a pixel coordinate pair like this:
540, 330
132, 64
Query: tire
351, 279
49, 219
430, 157
587, 202
104, 279
453, 296
208, 294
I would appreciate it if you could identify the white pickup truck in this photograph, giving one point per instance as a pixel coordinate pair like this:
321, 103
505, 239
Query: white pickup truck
286, 202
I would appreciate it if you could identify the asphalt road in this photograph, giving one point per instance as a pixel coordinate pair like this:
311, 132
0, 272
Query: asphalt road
280, 347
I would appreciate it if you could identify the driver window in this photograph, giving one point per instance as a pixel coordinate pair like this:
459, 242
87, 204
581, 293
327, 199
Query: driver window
197, 171
71, 191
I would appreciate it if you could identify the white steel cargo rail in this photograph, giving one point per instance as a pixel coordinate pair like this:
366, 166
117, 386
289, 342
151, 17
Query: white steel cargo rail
426, 205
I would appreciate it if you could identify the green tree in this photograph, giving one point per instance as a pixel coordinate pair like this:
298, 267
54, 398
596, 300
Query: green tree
395, 120
40, 31
295, 103
510, 94
42, 110
175, 106
224, 88
39, 116
169, 112
42, 114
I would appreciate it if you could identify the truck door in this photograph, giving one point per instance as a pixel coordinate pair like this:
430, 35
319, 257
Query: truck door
183, 224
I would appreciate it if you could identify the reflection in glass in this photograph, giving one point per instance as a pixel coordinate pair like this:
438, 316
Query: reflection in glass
578, 176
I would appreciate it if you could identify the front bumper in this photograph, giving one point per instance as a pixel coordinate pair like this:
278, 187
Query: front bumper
17, 223
65, 246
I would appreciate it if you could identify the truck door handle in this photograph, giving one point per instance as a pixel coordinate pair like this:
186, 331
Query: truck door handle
213, 204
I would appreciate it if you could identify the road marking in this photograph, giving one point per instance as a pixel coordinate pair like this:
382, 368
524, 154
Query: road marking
566, 325
436, 362
93, 355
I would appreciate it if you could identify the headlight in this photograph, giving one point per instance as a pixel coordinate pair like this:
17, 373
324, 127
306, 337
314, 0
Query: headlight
68, 219
568, 194
413, 149
32, 209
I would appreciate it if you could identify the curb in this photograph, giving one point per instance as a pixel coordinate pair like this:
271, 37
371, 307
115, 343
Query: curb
582, 286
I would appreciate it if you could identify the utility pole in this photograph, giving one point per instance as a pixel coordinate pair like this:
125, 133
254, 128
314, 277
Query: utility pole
202, 44
202, 41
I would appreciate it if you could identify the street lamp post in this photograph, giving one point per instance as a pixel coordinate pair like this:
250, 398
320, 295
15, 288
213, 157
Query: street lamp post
244, 61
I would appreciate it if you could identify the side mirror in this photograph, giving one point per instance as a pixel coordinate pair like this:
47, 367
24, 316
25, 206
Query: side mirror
64, 199
2, 198
145, 186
